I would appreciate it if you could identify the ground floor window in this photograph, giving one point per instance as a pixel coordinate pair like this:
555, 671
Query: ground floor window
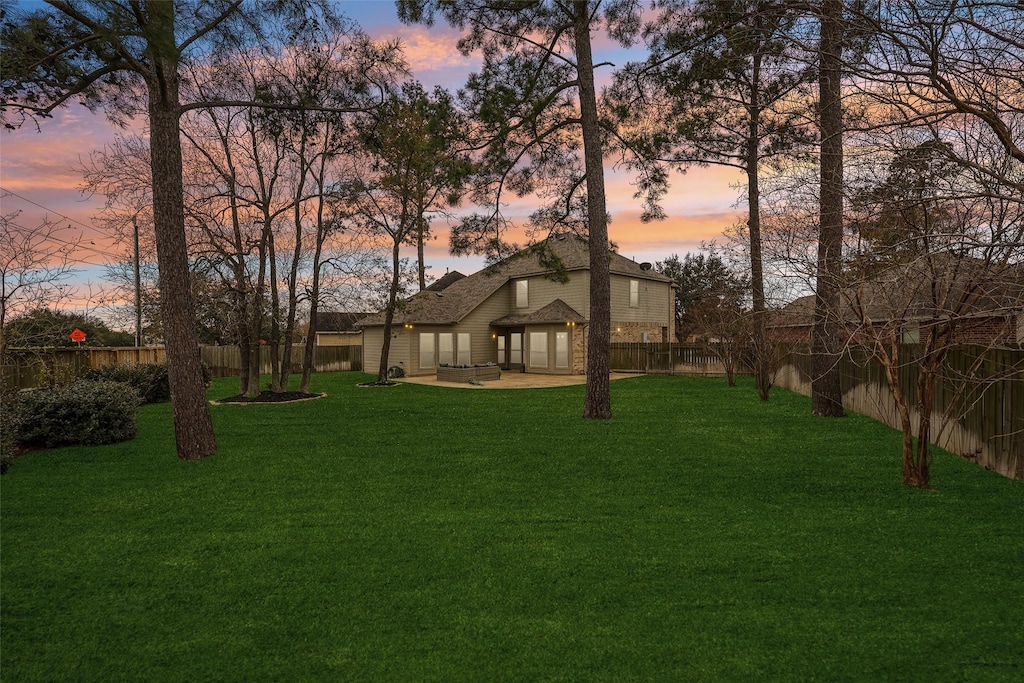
446, 348
464, 349
561, 349
538, 349
426, 349
516, 348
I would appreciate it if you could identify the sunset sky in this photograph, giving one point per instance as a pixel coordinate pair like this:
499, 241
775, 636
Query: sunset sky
38, 177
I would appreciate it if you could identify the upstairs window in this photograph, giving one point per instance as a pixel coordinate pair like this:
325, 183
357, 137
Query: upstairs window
634, 293
522, 293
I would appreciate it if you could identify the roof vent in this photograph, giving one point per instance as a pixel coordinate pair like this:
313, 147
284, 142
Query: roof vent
645, 266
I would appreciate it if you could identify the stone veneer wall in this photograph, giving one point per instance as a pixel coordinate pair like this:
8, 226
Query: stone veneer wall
579, 343
633, 332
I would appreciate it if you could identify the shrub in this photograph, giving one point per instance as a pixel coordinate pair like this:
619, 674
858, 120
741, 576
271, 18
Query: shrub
86, 412
8, 431
148, 379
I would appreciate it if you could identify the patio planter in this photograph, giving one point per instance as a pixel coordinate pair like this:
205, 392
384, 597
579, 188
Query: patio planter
464, 373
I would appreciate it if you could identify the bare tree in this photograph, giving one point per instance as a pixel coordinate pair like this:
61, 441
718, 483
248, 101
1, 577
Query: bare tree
35, 265
127, 58
936, 260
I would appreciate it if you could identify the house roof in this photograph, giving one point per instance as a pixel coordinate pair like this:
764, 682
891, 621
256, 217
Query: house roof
555, 312
923, 290
461, 296
444, 281
338, 321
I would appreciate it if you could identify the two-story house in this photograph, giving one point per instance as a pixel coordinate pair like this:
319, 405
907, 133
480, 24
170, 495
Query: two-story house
517, 315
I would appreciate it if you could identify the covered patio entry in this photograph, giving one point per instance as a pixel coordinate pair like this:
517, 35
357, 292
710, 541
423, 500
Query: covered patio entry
549, 340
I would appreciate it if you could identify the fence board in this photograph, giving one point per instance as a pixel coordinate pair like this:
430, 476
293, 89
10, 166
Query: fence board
665, 358
986, 402
29, 368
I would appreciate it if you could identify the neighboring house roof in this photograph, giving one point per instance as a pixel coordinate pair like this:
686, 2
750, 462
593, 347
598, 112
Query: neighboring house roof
555, 312
338, 321
447, 279
914, 292
460, 297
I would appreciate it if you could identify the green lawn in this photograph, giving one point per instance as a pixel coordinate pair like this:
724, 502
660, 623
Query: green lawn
429, 533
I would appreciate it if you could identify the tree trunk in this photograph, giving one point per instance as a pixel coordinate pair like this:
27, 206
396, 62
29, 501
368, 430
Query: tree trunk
275, 317
420, 257
826, 390
308, 351
917, 468
598, 403
762, 352
193, 427
314, 294
389, 314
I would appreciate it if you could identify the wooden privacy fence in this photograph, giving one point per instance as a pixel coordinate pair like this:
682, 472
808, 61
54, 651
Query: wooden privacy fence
665, 358
29, 368
985, 399
226, 361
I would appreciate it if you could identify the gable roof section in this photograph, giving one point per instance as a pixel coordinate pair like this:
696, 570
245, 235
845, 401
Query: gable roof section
555, 312
460, 297
445, 280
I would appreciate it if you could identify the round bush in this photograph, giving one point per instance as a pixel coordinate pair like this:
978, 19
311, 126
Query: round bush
148, 379
86, 412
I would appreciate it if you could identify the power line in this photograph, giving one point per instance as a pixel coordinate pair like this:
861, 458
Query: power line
75, 245
46, 208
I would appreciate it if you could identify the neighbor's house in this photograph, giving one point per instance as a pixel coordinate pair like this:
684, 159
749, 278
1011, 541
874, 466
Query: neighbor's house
515, 315
987, 305
337, 328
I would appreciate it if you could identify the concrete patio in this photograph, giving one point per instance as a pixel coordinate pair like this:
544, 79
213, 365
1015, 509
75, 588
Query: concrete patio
513, 380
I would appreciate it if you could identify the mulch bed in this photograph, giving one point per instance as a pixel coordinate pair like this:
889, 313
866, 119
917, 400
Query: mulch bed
271, 397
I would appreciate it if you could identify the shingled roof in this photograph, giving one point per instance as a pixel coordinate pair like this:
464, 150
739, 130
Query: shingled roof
461, 297
965, 288
555, 312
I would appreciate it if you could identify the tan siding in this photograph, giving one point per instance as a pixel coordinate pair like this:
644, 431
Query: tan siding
373, 339
655, 300
477, 323
543, 291
338, 339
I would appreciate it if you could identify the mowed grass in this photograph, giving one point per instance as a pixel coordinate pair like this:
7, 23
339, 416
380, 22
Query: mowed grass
424, 533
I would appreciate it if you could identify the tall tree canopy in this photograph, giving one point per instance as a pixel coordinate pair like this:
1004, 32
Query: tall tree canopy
535, 103
127, 57
721, 86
